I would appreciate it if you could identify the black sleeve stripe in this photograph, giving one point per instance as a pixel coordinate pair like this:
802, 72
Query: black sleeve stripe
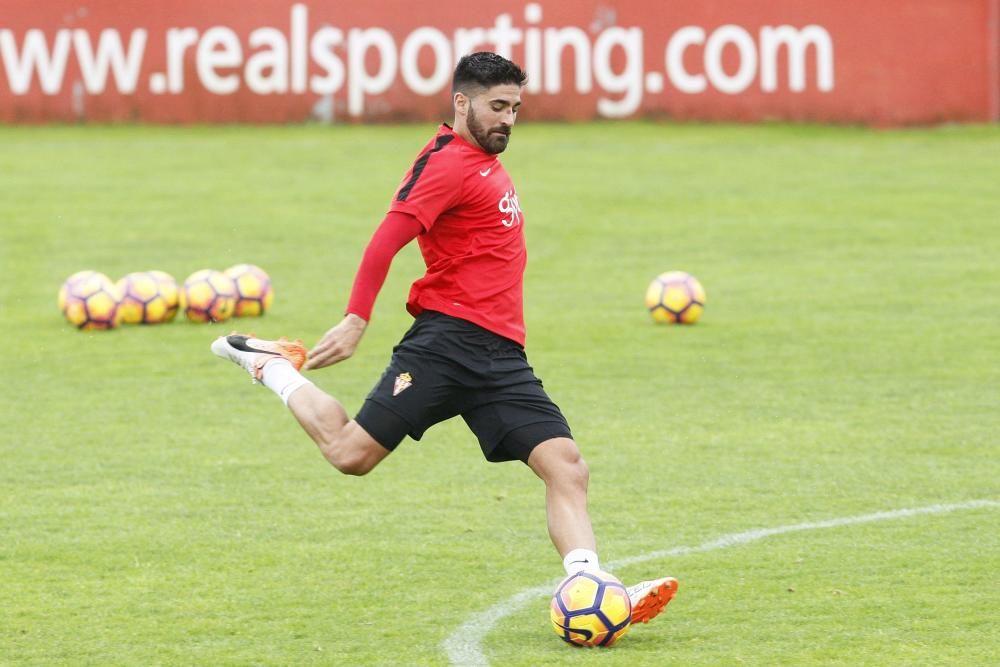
418, 166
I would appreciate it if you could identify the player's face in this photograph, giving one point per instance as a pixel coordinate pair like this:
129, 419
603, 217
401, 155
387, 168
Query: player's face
491, 116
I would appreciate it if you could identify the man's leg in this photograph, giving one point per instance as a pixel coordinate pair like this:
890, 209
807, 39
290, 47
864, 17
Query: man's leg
558, 463
344, 444
347, 446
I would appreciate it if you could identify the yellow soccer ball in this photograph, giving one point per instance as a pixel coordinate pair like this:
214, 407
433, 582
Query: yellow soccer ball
254, 292
208, 296
90, 301
675, 297
148, 297
591, 609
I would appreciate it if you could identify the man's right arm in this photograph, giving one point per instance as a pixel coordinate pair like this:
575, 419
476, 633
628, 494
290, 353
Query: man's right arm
397, 229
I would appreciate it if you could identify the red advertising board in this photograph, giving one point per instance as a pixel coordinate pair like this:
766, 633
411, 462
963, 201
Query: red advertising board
887, 62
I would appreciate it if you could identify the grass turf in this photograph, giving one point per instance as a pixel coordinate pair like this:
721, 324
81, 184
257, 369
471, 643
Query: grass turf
155, 509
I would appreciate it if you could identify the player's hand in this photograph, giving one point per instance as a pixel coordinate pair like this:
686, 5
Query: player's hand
337, 344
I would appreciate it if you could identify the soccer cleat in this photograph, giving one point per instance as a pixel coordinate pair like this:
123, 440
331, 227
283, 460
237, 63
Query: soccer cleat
649, 598
252, 353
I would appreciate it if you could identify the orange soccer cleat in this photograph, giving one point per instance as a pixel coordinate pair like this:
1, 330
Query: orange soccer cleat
252, 353
649, 598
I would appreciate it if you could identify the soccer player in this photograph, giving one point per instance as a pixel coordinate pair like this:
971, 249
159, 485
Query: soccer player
464, 354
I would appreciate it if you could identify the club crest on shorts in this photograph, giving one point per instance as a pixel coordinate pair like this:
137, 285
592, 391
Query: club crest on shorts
402, 383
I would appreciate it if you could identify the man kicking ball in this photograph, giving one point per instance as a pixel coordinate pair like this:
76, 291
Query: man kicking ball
464, 354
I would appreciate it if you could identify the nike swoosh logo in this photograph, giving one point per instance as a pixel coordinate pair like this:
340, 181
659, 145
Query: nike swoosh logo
243, 343
579, 561
486, 173
586, 634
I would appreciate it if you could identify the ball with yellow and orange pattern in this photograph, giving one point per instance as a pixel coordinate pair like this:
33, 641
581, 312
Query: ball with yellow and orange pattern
208, 296
254, 291
90, 301
148, 297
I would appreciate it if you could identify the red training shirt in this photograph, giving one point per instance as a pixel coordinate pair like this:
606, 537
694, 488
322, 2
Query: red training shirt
473, 239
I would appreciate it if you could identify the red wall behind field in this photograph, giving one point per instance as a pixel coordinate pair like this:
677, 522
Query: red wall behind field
886, 62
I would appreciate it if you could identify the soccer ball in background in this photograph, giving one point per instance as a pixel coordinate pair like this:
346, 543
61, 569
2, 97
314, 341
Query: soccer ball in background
591, 609
208, 296
89, 300
675, 297
148, 297
254, 292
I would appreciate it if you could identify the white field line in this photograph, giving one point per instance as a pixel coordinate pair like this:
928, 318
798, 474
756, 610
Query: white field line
464, 645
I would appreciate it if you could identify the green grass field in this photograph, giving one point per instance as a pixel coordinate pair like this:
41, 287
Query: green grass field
157, 509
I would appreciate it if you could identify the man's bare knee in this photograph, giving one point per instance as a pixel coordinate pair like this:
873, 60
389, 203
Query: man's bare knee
353, 465
577, 472
558, 461
354, 452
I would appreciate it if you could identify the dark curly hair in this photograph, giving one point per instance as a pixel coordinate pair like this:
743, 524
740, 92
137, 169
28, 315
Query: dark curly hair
485, 70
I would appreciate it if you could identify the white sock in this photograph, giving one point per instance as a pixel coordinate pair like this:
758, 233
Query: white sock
281, 377
580, 560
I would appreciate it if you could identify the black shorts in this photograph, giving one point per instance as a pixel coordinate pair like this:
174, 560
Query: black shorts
445, 367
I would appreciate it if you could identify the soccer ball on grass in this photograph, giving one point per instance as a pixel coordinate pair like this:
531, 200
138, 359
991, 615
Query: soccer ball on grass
148, 297
89, 300
254, 292
208, 296
675, 297
591, 609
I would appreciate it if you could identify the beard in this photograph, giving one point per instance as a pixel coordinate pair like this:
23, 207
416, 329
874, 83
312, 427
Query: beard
493, 140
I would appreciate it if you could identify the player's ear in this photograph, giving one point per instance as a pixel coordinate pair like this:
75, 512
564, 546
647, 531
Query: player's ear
461, 102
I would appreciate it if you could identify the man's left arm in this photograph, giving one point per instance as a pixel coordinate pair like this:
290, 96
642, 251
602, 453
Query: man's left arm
339, 343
